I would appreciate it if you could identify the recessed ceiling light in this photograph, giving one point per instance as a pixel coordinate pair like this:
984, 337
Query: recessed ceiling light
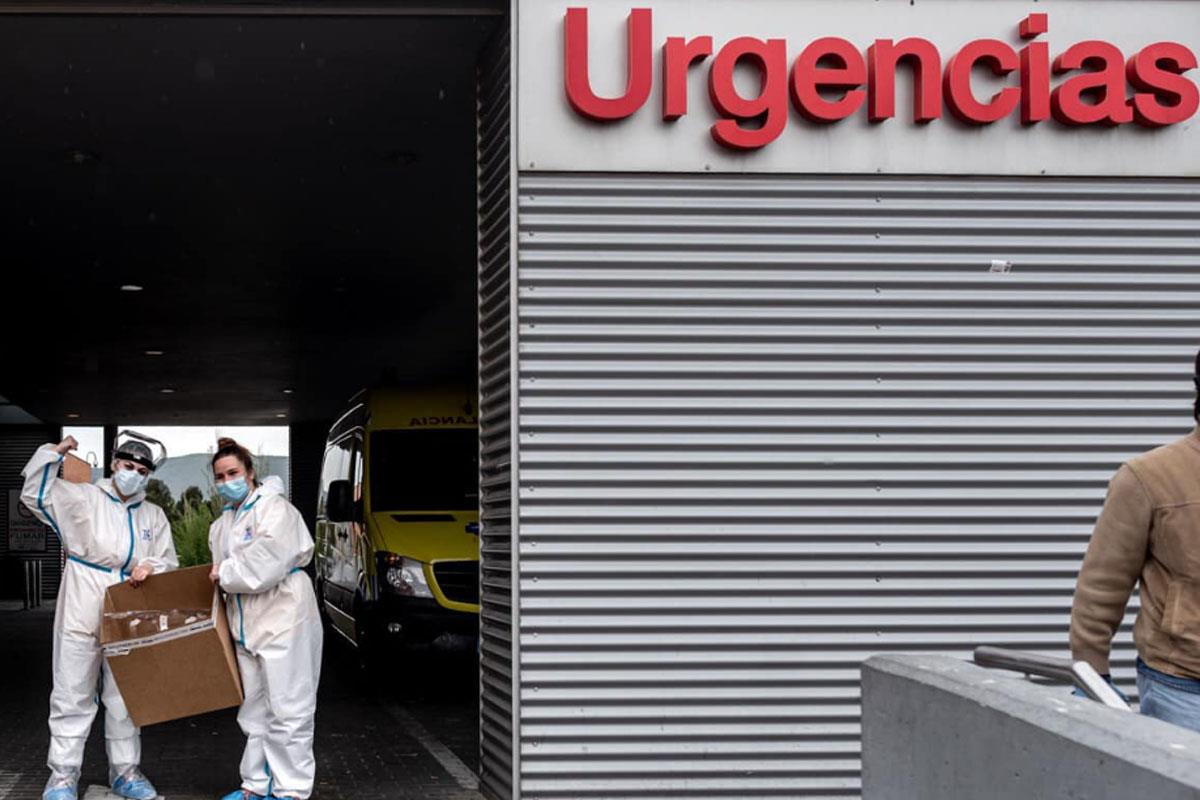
167, 390
82, 156
72, 416
131, 287
289, 391
154, 352
280, 416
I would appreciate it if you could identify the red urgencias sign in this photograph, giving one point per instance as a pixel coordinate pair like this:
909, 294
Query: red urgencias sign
831, 80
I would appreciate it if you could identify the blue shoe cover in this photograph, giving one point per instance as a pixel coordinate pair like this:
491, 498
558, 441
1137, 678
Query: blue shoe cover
134, 786
243, 794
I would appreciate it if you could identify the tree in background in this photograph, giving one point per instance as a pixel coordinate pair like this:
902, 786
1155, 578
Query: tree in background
192, 497
158, 493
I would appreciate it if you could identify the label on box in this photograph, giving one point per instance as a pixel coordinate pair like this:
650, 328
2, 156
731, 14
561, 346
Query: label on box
123, 648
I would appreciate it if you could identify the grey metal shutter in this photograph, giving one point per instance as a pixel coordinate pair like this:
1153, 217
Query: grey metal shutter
772, 425
17, 444
497, 723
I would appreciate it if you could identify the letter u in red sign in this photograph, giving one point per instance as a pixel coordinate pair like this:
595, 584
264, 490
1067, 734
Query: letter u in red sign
640, 59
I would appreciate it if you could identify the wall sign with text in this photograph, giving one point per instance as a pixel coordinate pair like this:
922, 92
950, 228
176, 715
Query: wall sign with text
1070, 87
26, 534
1100, 86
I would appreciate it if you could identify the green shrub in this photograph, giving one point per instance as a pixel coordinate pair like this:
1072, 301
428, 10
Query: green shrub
190, 532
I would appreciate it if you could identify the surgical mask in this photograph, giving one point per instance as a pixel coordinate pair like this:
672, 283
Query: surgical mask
234, 490
129, 482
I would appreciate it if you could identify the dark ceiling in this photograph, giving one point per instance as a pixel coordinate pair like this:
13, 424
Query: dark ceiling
294, 195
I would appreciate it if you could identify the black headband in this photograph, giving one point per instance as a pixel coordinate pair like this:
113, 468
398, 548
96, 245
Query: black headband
145, 462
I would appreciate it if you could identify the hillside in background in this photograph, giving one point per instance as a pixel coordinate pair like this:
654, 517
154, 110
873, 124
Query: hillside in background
180, 472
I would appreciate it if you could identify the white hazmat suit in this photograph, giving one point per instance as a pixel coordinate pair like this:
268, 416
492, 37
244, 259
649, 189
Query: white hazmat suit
104, 538
261, 546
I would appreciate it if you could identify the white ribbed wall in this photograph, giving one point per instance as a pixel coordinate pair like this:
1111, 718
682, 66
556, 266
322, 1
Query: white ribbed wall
772, 425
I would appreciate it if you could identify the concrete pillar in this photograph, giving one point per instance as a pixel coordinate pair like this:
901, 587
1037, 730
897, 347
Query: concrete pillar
110, 436
306, 449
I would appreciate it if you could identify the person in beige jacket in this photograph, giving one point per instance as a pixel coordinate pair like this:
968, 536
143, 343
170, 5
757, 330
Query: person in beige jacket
1149, 531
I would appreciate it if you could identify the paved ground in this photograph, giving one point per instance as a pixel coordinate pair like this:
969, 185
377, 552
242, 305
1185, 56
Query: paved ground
414, 738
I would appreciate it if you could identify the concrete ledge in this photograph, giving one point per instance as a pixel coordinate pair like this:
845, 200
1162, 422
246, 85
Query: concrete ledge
937, 728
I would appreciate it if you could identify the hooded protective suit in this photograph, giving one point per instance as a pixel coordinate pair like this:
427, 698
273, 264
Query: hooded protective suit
261, 546
104, 538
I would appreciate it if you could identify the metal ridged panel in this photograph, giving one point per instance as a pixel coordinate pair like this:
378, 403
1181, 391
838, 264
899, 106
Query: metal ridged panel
496, 709
772, 425
17, 444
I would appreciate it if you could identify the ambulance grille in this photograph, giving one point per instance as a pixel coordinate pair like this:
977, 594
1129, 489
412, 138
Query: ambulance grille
458, 580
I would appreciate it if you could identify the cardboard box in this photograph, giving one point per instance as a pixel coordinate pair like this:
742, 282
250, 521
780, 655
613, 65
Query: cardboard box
188, 668
76, 470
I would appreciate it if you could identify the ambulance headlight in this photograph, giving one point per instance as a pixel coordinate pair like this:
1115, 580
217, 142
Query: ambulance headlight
403, 576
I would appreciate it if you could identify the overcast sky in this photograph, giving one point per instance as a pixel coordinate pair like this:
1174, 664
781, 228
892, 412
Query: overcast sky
182, 440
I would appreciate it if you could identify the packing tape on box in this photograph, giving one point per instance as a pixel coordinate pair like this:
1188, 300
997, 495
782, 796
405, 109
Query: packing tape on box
124, 648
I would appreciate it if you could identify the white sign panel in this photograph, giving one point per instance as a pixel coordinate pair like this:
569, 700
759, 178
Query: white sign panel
25, 533
988, 87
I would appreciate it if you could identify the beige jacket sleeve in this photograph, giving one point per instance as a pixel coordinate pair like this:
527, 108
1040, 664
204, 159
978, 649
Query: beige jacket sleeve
1111, 568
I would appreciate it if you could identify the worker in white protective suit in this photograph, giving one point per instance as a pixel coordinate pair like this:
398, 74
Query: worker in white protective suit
259, 546
109, 534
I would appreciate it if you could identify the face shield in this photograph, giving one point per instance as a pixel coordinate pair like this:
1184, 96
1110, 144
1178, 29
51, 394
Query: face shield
139, 448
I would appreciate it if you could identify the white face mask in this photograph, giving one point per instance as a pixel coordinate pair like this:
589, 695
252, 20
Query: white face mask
129, 482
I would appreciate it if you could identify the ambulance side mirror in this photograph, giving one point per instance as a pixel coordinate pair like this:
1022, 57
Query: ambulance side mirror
340, 507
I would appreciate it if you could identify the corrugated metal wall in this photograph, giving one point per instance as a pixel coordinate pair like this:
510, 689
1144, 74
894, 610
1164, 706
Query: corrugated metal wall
496, 659
769, 426
17, 444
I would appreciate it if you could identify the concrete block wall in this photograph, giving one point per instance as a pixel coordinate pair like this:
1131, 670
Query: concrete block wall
937, 728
